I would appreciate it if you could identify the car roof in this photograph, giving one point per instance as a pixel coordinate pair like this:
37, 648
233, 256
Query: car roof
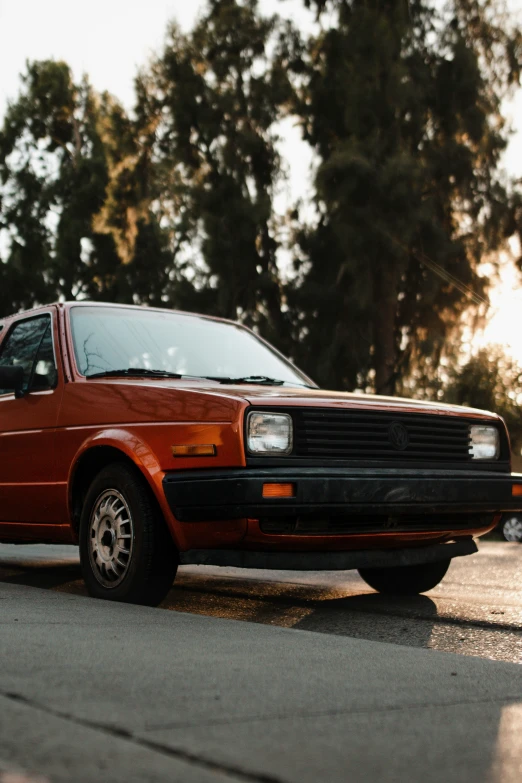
89, 303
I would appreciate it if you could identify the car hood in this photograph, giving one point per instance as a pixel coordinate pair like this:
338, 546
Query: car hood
290, 396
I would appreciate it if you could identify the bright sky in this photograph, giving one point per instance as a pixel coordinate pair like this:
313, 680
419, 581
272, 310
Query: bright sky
113, 38
505, 314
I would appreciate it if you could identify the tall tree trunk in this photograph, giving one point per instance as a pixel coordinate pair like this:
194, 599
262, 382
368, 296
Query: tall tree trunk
384, 315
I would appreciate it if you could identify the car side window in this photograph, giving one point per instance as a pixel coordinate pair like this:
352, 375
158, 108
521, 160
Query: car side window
30, 345
45, 375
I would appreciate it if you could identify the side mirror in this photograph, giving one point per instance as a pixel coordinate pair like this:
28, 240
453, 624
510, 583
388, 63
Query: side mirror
12, 379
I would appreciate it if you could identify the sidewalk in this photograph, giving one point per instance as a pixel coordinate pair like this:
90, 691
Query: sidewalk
98, 691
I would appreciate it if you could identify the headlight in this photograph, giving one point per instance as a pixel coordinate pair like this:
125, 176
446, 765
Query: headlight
269, 433
485, 442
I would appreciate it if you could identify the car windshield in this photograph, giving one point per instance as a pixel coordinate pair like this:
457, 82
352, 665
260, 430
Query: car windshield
109, 340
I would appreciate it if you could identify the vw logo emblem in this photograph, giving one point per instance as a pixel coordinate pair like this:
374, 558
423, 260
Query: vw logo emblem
398, 435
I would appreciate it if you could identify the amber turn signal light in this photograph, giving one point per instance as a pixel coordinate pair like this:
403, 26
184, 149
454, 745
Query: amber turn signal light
194, 450
516, 490
278, 490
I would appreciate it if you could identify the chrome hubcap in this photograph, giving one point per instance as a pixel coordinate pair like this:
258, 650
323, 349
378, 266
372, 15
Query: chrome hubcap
111, 538
512, 529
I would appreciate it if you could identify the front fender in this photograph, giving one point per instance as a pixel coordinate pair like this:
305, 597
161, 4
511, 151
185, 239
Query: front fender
139, 452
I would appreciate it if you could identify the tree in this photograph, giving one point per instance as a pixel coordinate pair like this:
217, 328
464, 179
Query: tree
53, 178
75, 205
174, 203
402, 104
218, 93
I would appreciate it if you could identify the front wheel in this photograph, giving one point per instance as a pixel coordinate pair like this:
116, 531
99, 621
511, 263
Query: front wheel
405, 580
126, 551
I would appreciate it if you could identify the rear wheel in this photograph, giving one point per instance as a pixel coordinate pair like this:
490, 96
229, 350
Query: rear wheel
405, 580
511, 527
126, 550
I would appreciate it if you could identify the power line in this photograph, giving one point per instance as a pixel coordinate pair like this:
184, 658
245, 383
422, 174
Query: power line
449, 278
439, 270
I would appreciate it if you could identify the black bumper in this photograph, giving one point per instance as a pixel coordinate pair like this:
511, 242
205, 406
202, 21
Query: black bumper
329, 561
220, 494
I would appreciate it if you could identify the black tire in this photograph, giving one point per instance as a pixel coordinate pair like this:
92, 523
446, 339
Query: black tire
148, 567
405, 580
511, 528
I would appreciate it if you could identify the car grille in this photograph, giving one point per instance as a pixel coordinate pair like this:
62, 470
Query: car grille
352, 434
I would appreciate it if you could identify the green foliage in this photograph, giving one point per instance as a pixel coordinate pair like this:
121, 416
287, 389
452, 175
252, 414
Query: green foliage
72, 205
53, 177
214, 96
402, 103
174, 203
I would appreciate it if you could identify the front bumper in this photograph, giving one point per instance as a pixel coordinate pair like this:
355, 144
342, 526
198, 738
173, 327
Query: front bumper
237, 493
329, 561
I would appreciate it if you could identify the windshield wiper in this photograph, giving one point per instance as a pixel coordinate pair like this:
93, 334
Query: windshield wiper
136, 372
263, 380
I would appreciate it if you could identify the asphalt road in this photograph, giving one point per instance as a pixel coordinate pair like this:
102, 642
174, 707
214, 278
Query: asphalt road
477, 609
97, 691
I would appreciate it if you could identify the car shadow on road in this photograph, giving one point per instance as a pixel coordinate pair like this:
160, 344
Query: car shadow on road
338, 604
405, 620
21, 568
324, 609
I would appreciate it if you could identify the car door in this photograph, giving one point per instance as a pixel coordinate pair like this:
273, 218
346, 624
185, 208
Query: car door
27, 424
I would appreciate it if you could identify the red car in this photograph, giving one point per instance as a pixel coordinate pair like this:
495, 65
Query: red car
154, 438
